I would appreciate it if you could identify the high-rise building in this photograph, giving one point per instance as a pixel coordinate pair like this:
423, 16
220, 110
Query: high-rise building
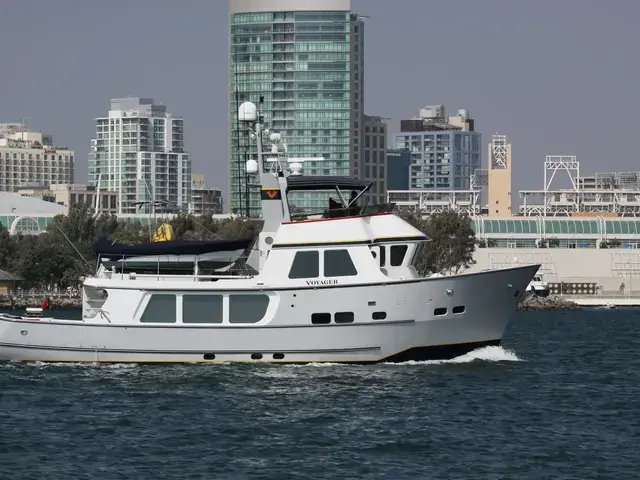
31, 158
445, 150
139, 152
374, 162
305, 60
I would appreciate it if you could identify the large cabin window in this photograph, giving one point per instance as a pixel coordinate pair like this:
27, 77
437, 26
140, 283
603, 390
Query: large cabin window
160, 309
247, 308
202, 309
338, 263
305, 265
397, 255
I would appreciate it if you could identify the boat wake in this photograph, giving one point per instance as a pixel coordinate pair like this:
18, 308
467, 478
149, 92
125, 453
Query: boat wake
484, 354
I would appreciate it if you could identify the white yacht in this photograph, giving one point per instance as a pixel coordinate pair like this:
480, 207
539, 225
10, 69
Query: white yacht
338, 287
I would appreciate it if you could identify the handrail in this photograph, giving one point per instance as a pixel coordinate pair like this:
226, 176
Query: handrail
154, 275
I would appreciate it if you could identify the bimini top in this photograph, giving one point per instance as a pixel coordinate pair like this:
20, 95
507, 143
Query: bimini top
304, 182
103, 246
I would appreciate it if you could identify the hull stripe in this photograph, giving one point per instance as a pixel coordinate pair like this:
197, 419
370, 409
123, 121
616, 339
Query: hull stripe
183, 326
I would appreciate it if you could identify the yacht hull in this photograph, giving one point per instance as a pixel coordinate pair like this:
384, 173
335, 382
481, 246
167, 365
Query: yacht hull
413, 327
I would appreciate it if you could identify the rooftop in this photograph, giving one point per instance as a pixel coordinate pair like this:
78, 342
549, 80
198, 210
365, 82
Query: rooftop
15, 204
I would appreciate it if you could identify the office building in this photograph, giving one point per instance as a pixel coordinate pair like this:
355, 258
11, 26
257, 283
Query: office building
139, 153
445, 150
74, 194
374, 159
31, 158
204, 200
398, 167
306, 61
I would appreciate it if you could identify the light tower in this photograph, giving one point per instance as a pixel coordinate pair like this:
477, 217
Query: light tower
499, 173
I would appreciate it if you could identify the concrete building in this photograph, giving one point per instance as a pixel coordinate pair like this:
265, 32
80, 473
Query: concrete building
31, 158
204, 200
374, 159
445, 150
499, 177
139, 153
445, 156
72, 194
306, 61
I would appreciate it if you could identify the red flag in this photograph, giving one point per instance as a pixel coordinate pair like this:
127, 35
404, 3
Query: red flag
45, 304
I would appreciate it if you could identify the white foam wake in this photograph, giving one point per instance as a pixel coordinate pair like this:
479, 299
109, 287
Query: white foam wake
484, 354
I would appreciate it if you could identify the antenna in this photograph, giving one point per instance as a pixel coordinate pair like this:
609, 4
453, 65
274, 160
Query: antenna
73, 246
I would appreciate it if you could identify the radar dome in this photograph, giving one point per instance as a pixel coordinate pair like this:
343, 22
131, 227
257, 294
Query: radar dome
252, 166
247, 112
295, 168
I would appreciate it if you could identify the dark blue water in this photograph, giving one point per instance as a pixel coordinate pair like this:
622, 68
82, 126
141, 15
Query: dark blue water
560, 400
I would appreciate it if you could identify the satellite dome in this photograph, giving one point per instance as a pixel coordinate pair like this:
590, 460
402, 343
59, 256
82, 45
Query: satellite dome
247, 112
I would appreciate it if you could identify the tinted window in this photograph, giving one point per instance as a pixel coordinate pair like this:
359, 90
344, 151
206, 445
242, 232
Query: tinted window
305, 265
440, 311
397, 255
247, 308
379, 315
337, 263
383, 255
458, 309
343, 317
320, 318
202, 309
160, 309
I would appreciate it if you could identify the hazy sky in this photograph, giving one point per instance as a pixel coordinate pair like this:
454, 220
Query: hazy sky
556, 76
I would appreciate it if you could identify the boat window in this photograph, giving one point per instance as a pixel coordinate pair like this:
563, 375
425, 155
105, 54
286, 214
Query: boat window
202, 309
458, 309
379, 315
343, 317
338, 263
397, 254
320, 318
305, 265
160, 309
383, 255
248, 308
440, 311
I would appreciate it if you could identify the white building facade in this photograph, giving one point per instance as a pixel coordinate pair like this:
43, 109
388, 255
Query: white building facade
30, 158
138, 152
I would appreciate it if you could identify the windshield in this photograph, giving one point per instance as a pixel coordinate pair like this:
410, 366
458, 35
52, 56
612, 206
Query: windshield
420, 260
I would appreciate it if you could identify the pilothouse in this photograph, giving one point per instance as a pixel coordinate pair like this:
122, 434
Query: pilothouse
339, 285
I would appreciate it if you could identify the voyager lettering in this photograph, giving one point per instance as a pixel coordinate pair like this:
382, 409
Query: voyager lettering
313, 283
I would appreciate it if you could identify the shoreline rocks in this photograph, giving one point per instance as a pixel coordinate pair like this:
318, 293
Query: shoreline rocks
551, 302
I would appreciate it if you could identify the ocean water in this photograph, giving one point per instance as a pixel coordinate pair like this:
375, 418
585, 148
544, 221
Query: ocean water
560, 399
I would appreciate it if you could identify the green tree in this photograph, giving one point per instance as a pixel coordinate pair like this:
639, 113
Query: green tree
452, 244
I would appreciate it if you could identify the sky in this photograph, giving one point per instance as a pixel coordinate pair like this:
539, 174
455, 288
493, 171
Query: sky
558, 77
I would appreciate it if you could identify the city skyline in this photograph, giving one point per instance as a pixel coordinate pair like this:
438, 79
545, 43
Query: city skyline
556, 78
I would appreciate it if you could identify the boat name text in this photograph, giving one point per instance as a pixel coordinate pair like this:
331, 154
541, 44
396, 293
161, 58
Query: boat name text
313, 283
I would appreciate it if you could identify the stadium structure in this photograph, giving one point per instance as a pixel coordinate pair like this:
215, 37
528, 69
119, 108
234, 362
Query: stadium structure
586, 237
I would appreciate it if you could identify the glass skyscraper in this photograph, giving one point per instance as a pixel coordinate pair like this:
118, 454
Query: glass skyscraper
304, 59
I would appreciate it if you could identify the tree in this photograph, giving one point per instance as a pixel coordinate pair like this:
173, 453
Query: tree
452, 244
